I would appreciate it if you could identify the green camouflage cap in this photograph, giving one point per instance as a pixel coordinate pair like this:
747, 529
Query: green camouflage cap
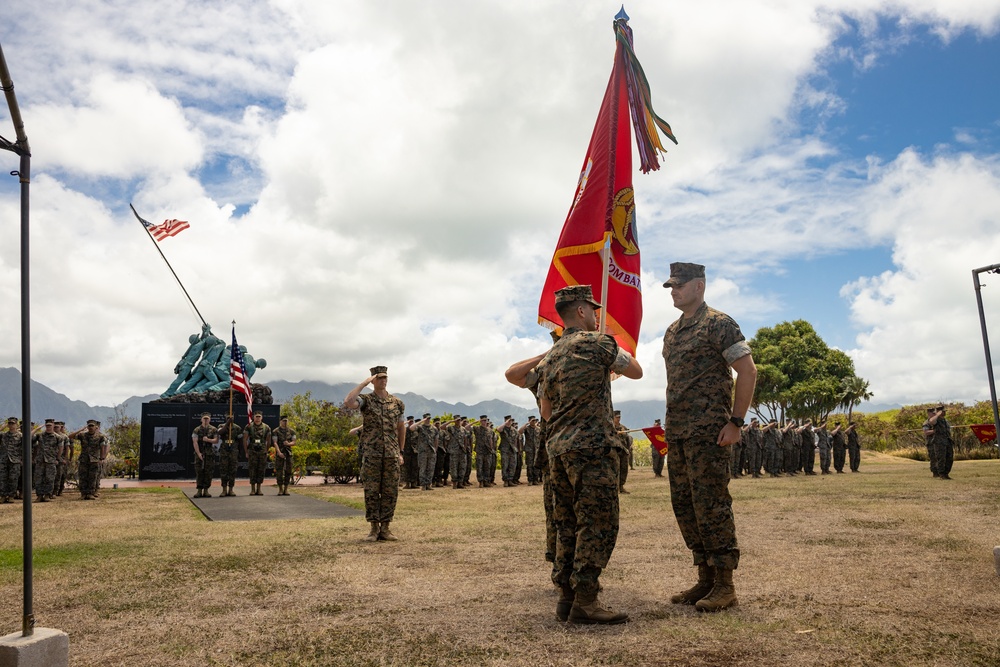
576, 293
379, 371
681, 272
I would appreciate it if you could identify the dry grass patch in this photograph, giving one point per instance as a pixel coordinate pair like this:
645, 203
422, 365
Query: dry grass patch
886, 567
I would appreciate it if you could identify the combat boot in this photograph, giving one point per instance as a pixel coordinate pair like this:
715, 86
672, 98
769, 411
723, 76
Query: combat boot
206, 494
198, 493
373, 535
386, 534
565, 603
592, 612
454, 485
706, 580
723, 594
230, 492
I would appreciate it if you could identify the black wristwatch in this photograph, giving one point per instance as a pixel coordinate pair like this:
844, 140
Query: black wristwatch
737, 420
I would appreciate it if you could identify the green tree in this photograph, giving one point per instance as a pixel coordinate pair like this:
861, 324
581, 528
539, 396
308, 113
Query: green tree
853, 390
319, 426
123, 435
798, 374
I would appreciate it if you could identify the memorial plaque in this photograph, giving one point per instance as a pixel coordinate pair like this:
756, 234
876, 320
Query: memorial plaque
165, 448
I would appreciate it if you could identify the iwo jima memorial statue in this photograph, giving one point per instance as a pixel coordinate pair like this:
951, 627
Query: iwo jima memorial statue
203, 383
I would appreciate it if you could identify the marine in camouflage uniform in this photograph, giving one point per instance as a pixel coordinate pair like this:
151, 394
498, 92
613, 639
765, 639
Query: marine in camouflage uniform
230, 436
45, 449
807, 450
411, 469
853, 448
256, 440
839, 441
283, 439
700, 351
584, 452
486, 446
423, 435
940, 445
467, 448
11, 454
755, 448
204, 438
626, 444
823, 442
442, 466
65, 456
383, 432
771, 438
93, 451
455, 437
508, 450
788, 448
531, 432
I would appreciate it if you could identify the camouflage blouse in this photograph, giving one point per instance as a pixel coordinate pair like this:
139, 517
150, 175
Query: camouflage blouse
698, 353
380, 418
91, 445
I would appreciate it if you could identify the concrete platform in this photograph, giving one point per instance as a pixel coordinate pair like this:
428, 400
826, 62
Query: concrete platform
45, 648
268, 507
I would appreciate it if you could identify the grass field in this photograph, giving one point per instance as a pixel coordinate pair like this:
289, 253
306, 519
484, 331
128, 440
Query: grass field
886, 567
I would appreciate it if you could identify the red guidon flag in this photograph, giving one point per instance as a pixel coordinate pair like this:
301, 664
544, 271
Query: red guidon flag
985, 432
657, 437
603, 208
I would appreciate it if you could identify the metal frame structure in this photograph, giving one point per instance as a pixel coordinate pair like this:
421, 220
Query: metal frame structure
995, 268
20, 148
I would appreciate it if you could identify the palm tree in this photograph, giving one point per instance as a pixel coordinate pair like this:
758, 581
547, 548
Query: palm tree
853, 390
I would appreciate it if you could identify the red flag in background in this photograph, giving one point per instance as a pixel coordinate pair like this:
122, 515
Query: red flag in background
985, 432
657, 437
603, 207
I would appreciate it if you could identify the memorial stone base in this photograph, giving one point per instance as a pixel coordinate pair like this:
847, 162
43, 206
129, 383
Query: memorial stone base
45, 648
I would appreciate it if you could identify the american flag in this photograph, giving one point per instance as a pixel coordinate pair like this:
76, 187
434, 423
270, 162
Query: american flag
164, 229
238, 380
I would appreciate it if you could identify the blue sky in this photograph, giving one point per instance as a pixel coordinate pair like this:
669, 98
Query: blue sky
384, 183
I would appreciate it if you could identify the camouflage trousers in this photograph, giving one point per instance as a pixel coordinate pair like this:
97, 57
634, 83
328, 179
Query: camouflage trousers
530, 453
839, 454
87, 473
772, 459
736, 460
468, 466
698, 470
283, 467
204, 468
658, 459
426, 459
45, 479
507, 464
942, 457
585, 511
229, 463
483, 461
755, 459
808, 456
518, 465
456, 458
442, 466
491, 466
623, 459
411, 466
10, 477
381, 481
854, 457
61, 469
789, 460
548, 500
257, 462
824, 458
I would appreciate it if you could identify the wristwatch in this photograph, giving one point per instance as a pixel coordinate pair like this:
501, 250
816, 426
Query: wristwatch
737, 420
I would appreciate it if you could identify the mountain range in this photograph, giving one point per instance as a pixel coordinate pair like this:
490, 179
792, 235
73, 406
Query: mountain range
46, 403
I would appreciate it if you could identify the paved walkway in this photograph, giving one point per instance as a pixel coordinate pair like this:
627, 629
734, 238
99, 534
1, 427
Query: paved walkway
268, 507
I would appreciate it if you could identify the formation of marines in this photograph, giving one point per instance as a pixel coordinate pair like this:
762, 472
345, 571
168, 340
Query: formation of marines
776, 450
52, 453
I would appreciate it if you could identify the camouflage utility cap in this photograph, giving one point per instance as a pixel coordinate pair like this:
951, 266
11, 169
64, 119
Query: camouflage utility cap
576, 293
379, 371
681, 272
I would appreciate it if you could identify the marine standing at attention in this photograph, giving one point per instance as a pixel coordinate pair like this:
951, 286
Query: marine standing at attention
703, 419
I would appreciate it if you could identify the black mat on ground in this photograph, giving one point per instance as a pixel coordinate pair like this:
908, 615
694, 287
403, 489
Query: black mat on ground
267, 507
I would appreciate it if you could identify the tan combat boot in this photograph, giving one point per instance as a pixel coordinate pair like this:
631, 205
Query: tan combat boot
386, 534
373, 535
592, 612
565, 603
723, 594
706, 580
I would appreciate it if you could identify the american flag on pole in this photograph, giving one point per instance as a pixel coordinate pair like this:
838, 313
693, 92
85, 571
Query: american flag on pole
238, 375
164, 229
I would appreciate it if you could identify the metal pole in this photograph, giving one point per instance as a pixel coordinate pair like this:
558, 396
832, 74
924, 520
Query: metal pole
21, 148
995, 268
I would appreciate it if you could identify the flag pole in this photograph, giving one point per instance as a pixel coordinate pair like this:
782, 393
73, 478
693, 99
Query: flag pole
190, 300
231, 380
606, 252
